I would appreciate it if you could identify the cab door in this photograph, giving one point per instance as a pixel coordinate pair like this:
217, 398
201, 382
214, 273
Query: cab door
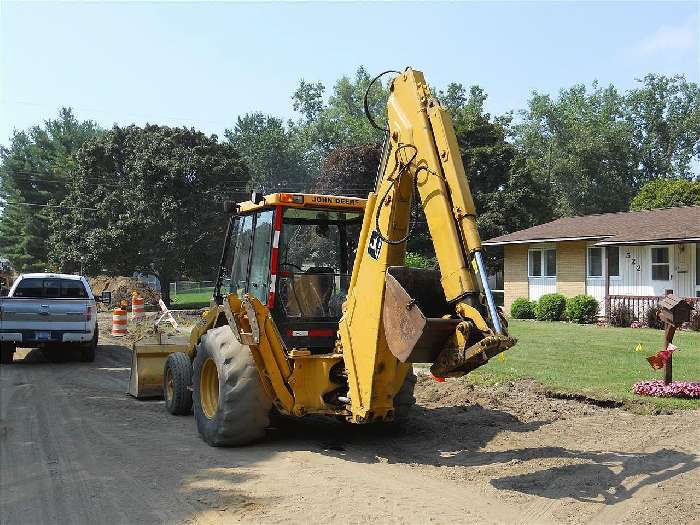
259, 274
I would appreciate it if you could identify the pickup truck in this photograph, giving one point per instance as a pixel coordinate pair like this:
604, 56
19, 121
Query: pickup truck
48, 311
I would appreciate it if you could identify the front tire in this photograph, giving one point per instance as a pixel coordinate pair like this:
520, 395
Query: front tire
177, 384
231, 406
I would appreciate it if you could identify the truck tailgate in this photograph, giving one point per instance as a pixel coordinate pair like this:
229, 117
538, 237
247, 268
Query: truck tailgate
44, 314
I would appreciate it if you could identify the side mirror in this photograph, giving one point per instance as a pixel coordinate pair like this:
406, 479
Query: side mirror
230, 207
105, 298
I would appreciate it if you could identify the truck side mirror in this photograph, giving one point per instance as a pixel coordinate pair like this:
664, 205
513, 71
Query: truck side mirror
105, 298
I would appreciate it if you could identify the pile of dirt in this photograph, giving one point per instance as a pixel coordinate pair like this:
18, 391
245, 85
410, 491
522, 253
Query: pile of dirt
527, 400
122, 289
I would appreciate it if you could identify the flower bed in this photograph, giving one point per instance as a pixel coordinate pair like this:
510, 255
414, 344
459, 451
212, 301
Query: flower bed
657, 388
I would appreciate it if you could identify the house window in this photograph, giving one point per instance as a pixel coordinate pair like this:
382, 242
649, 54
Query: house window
542, 263
595, 261
660, 267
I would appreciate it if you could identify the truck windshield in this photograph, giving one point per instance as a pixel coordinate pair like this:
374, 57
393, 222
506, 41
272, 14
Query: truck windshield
34, 288
317, 250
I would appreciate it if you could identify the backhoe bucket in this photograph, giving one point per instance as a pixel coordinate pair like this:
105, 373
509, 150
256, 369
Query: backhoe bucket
147, 361
416, 317
419, 325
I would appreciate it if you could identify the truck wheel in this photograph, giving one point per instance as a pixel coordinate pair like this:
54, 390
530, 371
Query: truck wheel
87, 353
177, 384
404, 400
7, 353
230, 404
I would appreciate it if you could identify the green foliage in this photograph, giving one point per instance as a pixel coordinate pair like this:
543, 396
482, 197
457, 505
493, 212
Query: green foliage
666, 193
593, 361
148, 199
621, 315
522, 309
665, 115
416, 260
340, 122
265, 145
550, 307
582, 309
34, 172
651, 317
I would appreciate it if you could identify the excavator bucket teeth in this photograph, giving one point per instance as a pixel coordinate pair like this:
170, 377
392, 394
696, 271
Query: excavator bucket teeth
413, 316
148, 358
455, 362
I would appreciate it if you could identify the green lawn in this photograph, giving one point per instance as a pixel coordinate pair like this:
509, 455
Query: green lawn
597, 362
191, 300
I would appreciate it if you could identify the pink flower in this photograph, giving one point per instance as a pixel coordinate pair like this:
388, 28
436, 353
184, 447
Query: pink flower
657, 388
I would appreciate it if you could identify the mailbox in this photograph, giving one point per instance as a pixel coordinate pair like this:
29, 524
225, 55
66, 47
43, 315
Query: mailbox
674, 310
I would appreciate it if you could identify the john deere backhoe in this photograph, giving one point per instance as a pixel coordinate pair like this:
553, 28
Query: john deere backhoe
321, 316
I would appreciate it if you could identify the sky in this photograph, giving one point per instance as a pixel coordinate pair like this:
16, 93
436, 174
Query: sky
203, 64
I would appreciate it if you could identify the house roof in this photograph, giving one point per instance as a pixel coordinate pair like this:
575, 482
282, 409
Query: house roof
665, 225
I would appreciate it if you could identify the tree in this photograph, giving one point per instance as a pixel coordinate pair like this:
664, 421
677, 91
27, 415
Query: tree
147, 199
580, 146
506, 194
266, 147
340, 122
34, 172
665, 115
666, 193
353, 169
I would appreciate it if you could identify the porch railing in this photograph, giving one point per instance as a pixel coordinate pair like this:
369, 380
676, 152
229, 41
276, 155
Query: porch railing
637, 304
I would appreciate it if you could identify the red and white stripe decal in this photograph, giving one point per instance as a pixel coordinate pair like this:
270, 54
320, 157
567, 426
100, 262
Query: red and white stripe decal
310, 333
275, 257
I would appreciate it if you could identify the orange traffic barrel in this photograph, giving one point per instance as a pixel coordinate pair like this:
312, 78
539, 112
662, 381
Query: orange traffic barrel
138, 313
119, 322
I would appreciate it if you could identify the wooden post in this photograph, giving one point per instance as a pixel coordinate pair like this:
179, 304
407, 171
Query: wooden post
606, 273
669, 331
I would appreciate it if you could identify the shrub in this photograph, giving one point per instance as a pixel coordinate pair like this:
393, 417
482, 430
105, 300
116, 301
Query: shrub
694, 323
417, 260
651, 317
550, 307
621, 315
582, 309
522, 309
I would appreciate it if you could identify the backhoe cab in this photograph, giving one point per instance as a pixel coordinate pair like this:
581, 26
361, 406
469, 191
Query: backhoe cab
313, 311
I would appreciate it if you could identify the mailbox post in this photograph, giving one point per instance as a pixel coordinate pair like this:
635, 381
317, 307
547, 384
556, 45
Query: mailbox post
674, 312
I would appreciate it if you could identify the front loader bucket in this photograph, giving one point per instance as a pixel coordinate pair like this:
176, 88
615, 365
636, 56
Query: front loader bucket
416, 317
148, 358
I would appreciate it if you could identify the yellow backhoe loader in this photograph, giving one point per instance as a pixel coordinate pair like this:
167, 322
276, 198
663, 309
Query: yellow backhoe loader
321, 317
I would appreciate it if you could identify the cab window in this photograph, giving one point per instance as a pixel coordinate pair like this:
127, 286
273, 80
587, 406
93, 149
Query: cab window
260, 259
241, 239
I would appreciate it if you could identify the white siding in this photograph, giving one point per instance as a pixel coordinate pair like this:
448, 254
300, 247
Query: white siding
635, 273
540, 286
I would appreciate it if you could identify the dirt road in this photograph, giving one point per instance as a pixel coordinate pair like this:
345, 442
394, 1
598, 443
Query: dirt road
75, 449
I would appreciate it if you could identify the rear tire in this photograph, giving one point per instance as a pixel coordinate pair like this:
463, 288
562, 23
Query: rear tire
87, 353
7, 353
230, 404
405, 400
177, 384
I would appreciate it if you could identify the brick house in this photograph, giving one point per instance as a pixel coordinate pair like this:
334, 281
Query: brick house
630, 256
